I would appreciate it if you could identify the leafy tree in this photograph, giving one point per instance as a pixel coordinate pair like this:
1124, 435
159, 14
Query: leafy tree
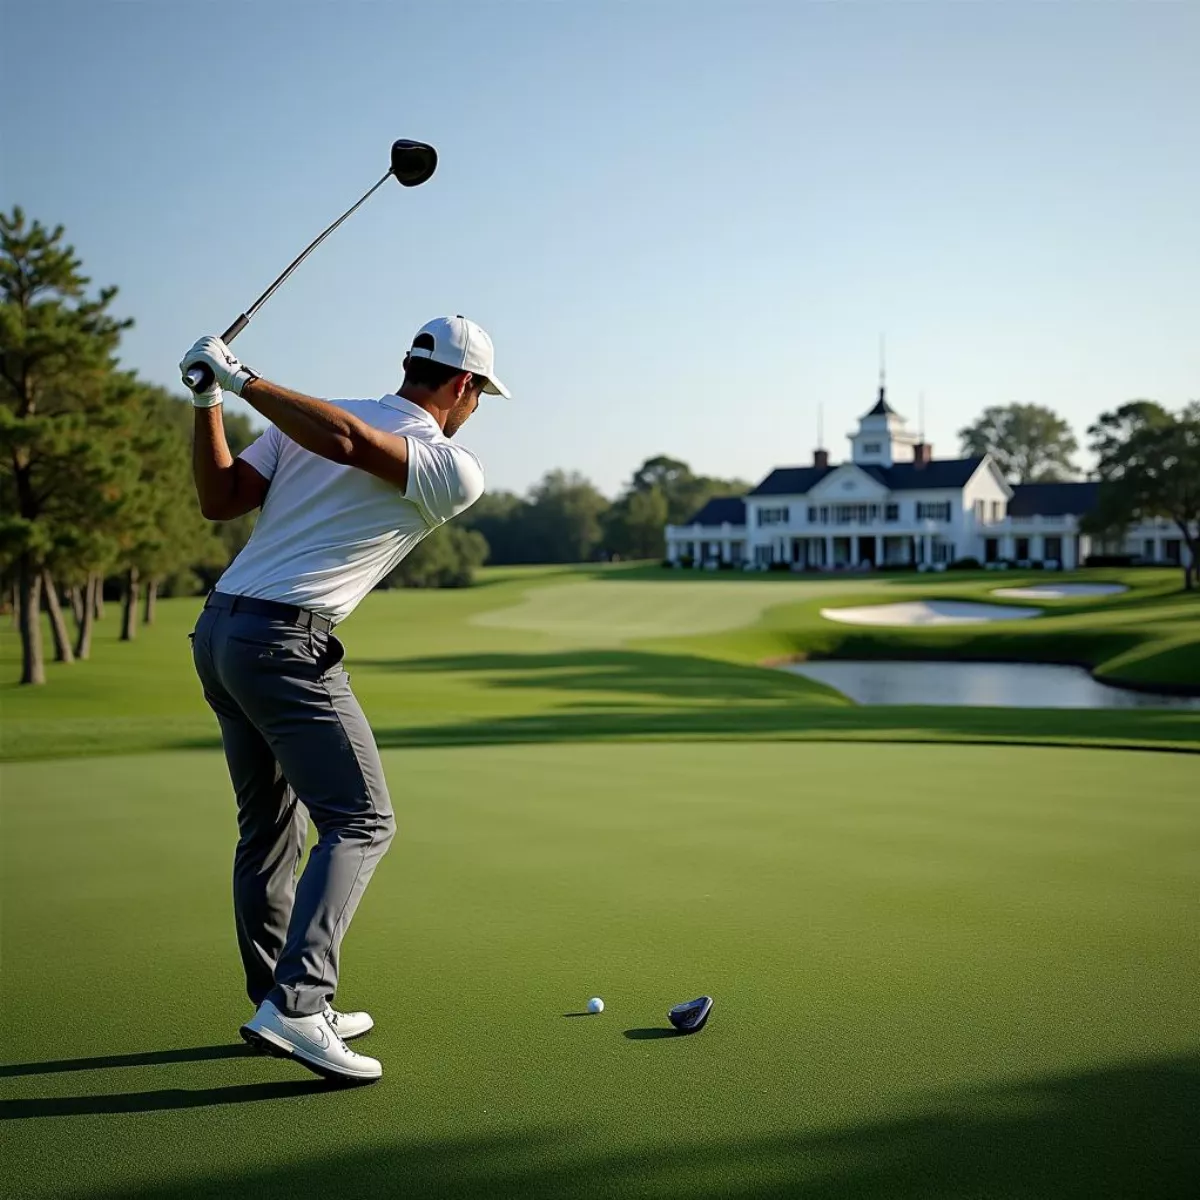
61, 471
634, 525
564, 517
447, 558
1029, 443
1148, 460
662, 491
502, 519
684, 492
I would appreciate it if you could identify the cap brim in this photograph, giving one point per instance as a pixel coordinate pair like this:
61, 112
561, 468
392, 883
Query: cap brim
495, 388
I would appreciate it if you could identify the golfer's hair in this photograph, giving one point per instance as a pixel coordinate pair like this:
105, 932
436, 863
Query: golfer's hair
424, 372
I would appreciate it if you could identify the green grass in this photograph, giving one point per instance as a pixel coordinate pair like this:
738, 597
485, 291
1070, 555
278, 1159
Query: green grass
954, 969
940, 971
548, 655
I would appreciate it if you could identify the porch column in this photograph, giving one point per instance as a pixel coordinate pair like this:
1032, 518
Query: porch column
927, 548
878, 550
828, 551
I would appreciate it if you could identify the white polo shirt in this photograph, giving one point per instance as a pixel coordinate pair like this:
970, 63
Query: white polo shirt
327, 534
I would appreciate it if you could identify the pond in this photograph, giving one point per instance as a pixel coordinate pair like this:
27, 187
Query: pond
979, 684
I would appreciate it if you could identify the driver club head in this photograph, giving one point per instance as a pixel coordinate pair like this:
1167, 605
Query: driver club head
692, 1015
413, 162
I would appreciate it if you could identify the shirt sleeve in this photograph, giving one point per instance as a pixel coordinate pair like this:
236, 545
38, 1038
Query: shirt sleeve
443, 480
263, 453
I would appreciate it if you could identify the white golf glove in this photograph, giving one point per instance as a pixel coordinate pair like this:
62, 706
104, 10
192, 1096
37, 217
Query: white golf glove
228, 374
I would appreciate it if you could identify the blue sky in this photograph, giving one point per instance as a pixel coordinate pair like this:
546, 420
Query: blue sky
685, 224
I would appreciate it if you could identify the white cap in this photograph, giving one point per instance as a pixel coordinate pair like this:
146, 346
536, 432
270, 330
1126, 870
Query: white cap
461, 344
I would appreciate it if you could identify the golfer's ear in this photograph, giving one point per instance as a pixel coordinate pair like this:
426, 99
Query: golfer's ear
464, 382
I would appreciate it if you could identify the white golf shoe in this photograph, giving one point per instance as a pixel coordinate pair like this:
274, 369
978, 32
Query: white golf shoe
311, 1041
349, 1024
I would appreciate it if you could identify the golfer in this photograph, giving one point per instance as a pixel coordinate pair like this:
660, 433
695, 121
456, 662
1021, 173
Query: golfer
347, 488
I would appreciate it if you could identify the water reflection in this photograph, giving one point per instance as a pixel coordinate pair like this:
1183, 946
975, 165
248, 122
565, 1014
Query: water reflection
979, 685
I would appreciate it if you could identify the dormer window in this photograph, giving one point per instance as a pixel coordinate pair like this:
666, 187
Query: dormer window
872, 447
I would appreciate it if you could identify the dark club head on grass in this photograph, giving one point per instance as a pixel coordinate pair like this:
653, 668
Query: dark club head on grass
692, 1015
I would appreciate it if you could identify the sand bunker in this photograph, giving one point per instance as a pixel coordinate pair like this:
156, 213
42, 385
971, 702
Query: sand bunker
928, 612
1061, 591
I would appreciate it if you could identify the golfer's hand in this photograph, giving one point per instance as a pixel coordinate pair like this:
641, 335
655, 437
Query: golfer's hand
228, 374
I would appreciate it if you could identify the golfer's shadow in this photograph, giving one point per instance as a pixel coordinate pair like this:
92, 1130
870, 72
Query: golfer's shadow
127, 1102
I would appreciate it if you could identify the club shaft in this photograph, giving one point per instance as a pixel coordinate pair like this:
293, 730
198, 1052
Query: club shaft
196, 377
245, 318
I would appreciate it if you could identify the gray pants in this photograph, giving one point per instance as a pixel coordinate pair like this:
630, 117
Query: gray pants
294, 736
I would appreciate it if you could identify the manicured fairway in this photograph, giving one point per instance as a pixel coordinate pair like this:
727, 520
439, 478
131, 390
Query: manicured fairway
940, 971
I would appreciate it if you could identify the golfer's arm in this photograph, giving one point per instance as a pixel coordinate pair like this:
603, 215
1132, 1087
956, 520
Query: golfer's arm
330, 431
226, 486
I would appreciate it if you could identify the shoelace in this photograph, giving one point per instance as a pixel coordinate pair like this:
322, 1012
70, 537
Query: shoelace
331, 1019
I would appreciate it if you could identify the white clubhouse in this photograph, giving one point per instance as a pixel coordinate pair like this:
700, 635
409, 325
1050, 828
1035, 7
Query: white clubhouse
894, 505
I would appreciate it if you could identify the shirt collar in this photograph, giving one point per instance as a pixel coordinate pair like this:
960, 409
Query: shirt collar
391, 400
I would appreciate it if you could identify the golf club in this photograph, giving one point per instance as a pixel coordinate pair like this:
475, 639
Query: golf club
412, 164
691, 1016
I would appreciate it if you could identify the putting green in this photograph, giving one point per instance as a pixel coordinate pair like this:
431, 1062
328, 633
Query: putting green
940, 971
603, 612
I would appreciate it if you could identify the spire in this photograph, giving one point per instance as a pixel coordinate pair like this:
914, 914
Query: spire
882, 407
882, 369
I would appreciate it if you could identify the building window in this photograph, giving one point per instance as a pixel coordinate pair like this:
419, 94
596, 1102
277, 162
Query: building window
855, 514
892, 512
773, 516
941, 551
812, 515
1052, 549
997, 510
1173, 550
933, 510
1022, 549
981, 511
991, 550
872, 447
737, 551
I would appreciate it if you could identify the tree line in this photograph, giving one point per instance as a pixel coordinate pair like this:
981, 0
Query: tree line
96, 493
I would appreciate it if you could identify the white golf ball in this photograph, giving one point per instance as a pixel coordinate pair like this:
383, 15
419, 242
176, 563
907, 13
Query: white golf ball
595, 1005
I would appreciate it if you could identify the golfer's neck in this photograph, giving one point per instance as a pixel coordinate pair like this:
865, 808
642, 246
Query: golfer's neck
422, 399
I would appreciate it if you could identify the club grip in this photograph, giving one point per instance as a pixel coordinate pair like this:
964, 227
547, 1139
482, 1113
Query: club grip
199, 378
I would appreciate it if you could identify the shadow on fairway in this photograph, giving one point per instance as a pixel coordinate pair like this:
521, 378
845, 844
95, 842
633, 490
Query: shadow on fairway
157, 1100
651, 1034
633, 673
1122, 1131
148, 1058
641, 695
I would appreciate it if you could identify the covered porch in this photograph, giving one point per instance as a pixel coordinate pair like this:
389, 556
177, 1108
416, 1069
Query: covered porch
832, 552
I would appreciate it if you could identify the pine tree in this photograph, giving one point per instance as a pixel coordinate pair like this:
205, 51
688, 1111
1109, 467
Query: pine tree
59, 472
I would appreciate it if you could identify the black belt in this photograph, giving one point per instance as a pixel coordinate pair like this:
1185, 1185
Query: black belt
270, 608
